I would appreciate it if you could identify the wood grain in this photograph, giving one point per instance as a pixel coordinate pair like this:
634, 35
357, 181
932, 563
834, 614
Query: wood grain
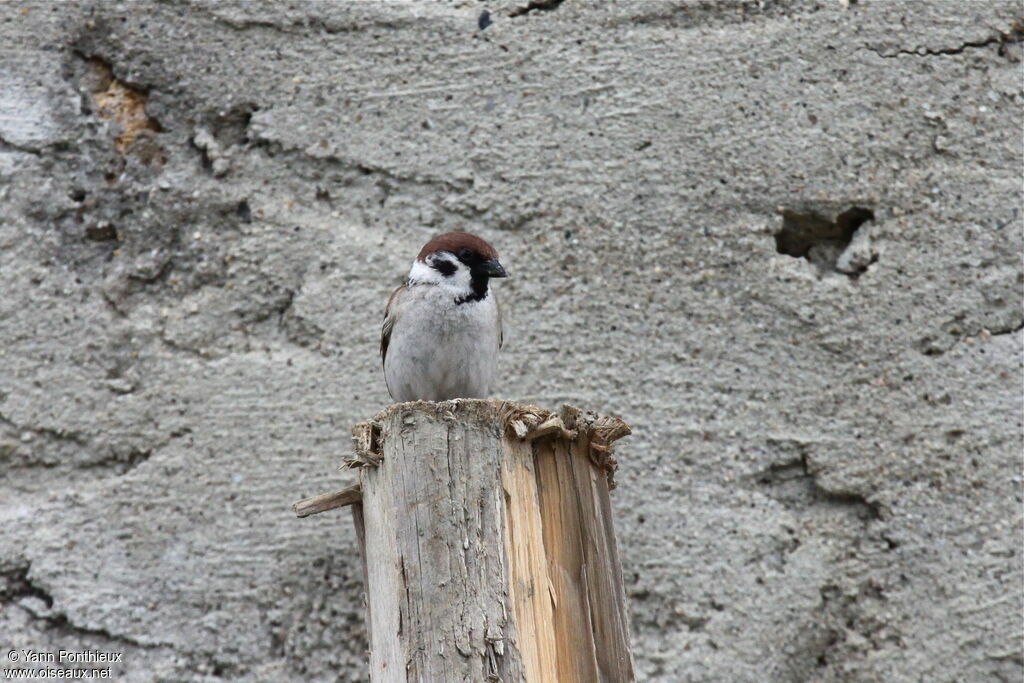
489, 556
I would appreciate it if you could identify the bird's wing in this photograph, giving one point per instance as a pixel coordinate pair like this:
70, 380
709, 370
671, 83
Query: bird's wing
390, 314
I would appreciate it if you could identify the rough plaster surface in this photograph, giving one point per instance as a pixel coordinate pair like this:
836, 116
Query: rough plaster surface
203, 207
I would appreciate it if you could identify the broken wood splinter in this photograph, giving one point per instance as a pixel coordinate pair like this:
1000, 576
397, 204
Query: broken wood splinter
328, 501
366, 445
552, 425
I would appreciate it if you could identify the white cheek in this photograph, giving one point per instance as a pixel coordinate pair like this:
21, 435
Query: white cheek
459, 280
421, 272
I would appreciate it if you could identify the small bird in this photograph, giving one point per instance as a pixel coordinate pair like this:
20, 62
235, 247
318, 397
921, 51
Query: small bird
442, 328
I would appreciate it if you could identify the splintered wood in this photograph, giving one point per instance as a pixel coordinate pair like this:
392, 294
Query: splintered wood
328, 501
365, 446
489, 547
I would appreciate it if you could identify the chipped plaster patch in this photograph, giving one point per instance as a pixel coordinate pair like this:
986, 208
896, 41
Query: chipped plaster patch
126, 106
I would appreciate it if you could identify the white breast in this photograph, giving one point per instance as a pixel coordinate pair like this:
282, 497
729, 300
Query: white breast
441, 350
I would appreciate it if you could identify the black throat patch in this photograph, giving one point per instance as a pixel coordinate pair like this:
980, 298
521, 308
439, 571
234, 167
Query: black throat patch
478, 285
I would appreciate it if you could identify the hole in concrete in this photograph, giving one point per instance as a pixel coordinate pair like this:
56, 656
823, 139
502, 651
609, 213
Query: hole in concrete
231, 127
827, 242
243, 211
101, 232
114, 99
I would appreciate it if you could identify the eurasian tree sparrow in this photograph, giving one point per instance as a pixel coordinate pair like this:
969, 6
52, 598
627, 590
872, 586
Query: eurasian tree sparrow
442, 329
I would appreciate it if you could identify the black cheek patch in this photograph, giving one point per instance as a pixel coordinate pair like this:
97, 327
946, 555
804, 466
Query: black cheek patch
446, 268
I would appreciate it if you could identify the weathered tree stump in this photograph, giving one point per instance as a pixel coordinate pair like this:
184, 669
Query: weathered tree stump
488, 546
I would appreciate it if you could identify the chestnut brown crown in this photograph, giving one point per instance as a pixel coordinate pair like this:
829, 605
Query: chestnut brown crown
456, 241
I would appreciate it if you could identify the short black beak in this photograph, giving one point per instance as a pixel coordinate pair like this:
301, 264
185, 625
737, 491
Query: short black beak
492, 269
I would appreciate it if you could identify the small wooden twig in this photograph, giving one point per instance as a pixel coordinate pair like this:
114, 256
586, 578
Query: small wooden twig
609, 429
521, 419
603, 432
360, 460
365, 436
366, 444
552, 425
520, 427
328, 501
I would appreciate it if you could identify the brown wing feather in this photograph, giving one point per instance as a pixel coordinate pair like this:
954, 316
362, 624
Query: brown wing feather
389, 323
390, 314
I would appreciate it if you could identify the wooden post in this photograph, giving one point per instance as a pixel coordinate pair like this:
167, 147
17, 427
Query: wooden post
488, 544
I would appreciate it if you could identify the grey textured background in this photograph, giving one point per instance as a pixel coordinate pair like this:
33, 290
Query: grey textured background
824, 482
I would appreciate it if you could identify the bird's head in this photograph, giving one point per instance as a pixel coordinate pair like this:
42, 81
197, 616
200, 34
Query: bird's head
460, 262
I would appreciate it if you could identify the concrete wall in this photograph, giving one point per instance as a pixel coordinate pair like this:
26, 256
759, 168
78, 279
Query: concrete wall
203, 208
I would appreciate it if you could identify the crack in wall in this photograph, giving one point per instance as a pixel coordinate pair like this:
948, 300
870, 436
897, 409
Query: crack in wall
308, 25
15, 584
811, 492
536, 6
1015, 34
49, 432
120, 462
17, 588
709, 13
938, 344
123, 464
274, 149
1007, 330
372, 187
8, 146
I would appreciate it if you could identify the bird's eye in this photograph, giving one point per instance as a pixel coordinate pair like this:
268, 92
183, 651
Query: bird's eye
465, 254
